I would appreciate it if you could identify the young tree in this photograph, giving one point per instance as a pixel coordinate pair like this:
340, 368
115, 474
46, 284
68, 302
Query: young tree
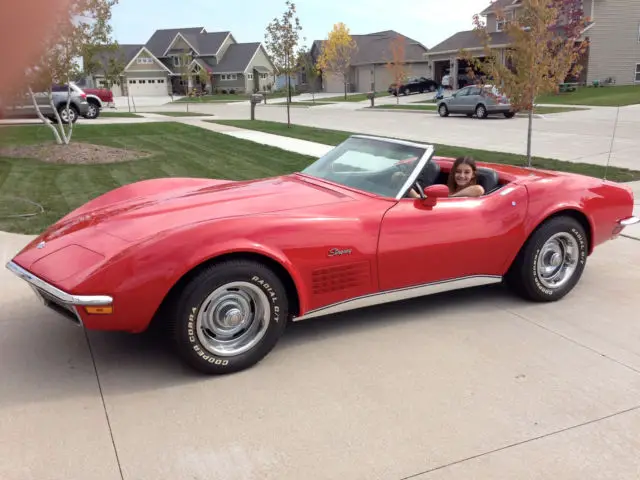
337, 51
83, 27
281, 39
545, 48
397, 65
307, 65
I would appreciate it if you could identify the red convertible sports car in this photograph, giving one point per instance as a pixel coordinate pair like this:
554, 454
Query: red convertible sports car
225, 265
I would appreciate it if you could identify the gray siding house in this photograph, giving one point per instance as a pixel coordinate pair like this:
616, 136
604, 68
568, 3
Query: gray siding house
613, 32
368, 70
174, 61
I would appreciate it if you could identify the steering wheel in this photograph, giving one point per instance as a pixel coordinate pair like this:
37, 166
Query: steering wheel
419, 188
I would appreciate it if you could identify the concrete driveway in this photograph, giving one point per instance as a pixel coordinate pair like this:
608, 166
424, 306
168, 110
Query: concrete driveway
475, 384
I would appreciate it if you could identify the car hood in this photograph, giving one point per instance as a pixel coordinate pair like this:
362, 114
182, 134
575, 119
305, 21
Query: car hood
160, 208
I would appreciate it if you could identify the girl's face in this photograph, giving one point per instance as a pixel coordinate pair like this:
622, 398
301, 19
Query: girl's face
463, 175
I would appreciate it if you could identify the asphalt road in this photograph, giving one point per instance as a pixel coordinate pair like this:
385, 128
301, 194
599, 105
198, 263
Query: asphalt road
473, 384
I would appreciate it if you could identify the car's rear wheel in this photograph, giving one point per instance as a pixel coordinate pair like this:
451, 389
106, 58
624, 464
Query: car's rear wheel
443, 110
229, 316
510, 114
551, 262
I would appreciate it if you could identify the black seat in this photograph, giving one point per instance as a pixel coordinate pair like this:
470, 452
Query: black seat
488, 179
429, 174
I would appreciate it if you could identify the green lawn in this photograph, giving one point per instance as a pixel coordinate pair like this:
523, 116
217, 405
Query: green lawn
228, 97
358, 97
334, 137
178, 150
610, 96
119, 114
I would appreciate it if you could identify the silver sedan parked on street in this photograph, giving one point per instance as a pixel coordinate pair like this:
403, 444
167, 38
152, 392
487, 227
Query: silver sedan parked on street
480, 101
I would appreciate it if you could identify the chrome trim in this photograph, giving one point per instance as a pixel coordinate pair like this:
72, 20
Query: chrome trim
625, 222
55, 292
408, 143
402, 294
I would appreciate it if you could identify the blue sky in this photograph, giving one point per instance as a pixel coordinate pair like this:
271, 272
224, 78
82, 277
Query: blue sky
427, 21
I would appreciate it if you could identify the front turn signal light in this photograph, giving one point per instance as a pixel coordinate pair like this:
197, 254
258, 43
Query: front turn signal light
103, 310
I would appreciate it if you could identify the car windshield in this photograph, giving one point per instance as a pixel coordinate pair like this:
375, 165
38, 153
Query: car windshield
373, 165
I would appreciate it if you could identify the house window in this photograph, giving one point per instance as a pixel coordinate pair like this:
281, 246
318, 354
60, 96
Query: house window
144, 60
250, 76
502, 22
132, 81
229, 76
176, 62
637, 72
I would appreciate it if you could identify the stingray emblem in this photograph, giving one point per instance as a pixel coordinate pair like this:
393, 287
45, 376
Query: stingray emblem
41, 245
337, 251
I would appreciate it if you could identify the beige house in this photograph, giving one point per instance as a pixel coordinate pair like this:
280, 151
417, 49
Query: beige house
156, 68
368, 69
613, 32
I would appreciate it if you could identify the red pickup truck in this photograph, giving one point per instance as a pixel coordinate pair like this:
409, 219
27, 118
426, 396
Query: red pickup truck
97, 98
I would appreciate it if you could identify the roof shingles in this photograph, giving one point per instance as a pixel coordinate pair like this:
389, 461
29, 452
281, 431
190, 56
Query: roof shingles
237, 58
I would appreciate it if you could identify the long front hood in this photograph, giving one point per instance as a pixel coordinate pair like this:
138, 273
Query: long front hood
147, 208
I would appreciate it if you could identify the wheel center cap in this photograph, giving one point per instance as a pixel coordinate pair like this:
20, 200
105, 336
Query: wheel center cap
232, 318
555, 260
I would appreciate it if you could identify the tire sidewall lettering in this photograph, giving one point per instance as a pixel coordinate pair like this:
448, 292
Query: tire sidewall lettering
582, 254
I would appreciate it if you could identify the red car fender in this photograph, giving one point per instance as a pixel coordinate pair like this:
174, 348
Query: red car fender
240, 246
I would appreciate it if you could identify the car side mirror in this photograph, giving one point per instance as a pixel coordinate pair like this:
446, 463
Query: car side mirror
433, 192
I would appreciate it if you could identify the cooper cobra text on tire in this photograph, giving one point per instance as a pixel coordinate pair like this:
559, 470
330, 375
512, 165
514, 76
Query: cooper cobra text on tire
551, 262
229, 316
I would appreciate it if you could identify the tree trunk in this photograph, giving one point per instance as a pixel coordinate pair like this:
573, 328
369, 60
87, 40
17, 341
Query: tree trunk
45, 120
288, 91
529, 130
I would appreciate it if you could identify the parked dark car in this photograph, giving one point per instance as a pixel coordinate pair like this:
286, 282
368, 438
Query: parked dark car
413, 85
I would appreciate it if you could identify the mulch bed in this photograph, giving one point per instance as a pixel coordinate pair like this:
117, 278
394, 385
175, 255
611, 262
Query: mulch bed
74, 153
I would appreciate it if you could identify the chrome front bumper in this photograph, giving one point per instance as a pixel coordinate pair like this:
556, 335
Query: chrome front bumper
62, 302
625, 222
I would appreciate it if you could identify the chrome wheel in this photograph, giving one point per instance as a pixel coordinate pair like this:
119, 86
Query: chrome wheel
67, 115
481, 112
233, 319
92, 111
558, 260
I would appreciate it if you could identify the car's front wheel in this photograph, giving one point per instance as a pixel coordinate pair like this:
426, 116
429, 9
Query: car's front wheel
443, 110
551, 262
229, 316
93, 110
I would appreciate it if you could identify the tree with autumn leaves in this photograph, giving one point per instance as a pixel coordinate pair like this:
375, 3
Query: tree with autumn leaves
397, 65
337, 52
82, 29
545, 48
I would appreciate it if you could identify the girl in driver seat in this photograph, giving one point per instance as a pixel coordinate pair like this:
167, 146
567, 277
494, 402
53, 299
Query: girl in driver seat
463, 181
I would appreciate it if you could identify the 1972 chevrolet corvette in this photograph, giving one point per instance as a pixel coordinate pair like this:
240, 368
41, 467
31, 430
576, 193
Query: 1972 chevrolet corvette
225, 265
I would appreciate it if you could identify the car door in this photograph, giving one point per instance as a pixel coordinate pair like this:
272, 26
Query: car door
455, 239
471, 99
456, 104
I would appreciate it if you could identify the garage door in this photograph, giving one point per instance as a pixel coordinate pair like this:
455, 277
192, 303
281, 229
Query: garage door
147, 87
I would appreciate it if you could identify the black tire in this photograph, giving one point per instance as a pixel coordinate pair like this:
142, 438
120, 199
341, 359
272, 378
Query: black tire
443, 111
524, 276
94, 110
73, 111
481, 111
510, 114
184, 320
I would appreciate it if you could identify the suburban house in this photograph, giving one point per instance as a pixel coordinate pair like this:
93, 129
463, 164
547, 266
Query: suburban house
174, 60
613, 55
368, 68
